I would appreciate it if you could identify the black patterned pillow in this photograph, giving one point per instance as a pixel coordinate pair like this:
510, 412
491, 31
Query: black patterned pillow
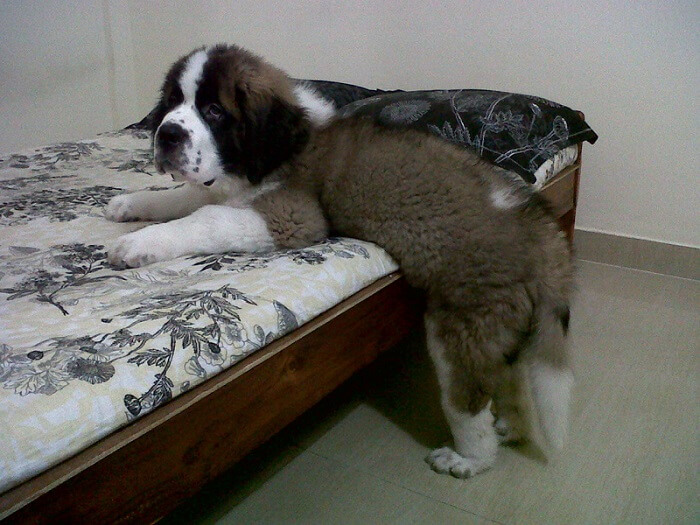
516, 132
340, 93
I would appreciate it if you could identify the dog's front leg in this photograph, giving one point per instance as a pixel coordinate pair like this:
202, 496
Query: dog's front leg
162, 205
210, 229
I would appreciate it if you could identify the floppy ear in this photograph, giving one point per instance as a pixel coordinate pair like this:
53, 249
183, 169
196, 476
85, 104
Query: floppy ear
154, 118
273, 133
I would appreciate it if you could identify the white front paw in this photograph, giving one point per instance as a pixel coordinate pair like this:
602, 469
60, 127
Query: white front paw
140, 248
446, 461
122, 209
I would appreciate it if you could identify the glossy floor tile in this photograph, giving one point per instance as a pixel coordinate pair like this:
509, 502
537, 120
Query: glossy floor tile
632, 456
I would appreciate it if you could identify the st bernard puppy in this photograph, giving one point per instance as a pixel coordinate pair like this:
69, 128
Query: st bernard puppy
260, 176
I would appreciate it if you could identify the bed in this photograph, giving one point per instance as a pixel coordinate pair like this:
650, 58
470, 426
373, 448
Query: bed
123, 392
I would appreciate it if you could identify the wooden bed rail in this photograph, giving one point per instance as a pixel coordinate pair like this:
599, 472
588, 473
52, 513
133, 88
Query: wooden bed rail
141, 472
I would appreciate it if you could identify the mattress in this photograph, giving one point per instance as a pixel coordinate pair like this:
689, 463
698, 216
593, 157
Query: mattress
551, 167
86, 348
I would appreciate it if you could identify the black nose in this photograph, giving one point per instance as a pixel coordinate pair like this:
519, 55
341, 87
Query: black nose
170, 135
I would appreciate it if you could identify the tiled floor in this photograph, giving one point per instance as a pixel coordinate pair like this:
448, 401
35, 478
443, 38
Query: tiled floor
632, 458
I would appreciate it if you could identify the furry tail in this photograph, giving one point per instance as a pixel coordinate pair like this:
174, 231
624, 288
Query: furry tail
547, 379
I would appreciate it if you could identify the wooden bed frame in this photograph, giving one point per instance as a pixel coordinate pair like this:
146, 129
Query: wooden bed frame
143, 471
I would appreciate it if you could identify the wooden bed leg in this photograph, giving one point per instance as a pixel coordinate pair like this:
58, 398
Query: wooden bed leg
566, 222
569, 222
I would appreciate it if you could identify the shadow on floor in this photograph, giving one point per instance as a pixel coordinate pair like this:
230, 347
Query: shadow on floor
400, 385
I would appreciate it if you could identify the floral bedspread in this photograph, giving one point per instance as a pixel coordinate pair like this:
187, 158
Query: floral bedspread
84, 347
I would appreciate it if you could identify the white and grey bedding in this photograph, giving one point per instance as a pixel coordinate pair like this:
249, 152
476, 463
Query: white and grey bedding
84, 347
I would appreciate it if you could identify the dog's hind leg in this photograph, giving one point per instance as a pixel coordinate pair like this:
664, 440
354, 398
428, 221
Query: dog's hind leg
467, 372
547, 379
510, 425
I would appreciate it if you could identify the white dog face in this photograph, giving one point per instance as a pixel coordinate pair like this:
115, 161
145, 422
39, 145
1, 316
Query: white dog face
226, 114
183, 143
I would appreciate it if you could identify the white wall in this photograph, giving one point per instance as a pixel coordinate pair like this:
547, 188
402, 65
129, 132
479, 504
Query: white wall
631, 66
62, 74
53, 74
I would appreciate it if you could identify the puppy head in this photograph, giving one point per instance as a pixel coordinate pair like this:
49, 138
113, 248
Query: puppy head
225, 112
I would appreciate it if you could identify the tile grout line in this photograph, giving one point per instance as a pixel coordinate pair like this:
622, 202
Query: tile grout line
649, 272
395, 484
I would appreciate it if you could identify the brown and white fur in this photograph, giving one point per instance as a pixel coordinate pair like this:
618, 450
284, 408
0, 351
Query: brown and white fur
495, 269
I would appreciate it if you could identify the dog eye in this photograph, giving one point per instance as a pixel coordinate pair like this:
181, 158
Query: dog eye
213, 112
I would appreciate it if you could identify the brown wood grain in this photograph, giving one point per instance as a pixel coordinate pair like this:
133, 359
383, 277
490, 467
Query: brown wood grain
566, 222
560, 192
141, 472
569, 220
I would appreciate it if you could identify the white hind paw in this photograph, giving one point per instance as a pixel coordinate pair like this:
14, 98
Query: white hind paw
505, 431
446, 461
